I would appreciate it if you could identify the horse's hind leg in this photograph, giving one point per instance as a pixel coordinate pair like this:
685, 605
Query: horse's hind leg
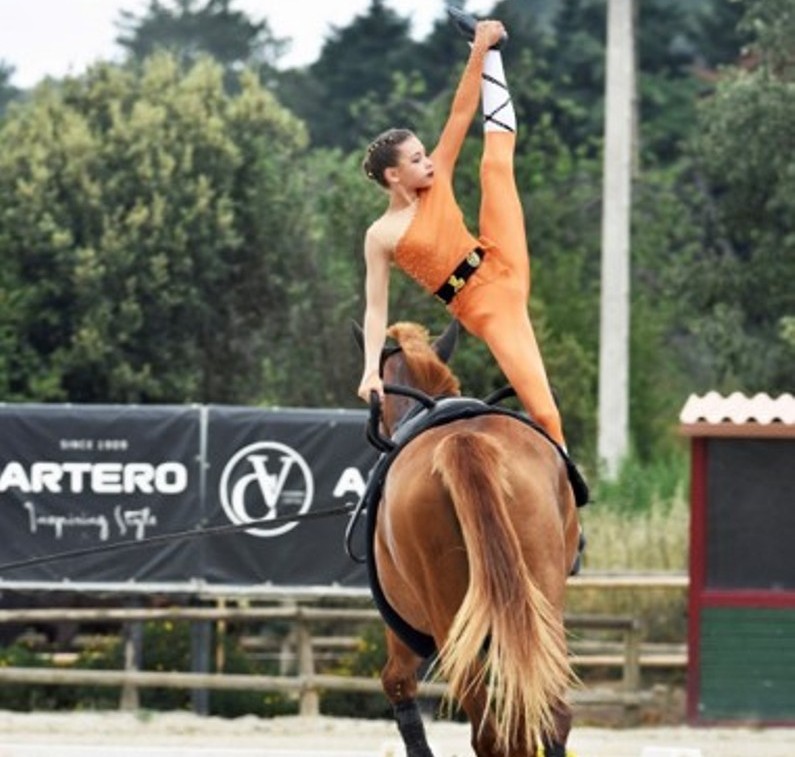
399, 680
484, 739
556, 747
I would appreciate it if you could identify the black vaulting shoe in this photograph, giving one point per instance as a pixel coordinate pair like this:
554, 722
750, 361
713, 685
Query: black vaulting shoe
466, 23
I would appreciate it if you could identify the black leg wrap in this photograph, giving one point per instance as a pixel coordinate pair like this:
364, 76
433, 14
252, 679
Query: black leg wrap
412, 731
554, 750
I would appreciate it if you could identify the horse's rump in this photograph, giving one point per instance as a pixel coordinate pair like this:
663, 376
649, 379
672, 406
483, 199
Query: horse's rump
472, 521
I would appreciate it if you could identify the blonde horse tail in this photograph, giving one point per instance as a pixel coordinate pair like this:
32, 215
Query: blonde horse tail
505, 635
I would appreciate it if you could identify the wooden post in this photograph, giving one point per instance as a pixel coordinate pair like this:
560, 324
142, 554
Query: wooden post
632, 640
133, 648
200, 640
286, 656
220, 638
310, 701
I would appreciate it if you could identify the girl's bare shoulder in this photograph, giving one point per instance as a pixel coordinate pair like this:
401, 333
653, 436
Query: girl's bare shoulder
388, 229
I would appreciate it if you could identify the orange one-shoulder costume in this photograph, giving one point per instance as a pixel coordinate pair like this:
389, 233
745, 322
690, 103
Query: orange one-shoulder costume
493, 305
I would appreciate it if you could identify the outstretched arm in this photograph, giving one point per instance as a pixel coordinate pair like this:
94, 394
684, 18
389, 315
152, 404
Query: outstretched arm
467, 96
375, 314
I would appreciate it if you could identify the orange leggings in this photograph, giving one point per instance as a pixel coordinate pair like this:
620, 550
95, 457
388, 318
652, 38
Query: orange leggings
496, 311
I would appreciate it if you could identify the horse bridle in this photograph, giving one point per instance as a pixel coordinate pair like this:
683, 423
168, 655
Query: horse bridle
380, 441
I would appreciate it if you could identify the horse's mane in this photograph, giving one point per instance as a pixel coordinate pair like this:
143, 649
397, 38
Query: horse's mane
427, 369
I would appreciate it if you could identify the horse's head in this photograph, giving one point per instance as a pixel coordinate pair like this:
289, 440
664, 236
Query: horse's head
411, 359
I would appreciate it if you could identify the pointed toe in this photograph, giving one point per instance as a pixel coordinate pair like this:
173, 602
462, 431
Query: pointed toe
466, 24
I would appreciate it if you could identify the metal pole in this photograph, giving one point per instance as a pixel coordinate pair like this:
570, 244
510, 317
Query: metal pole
616, 204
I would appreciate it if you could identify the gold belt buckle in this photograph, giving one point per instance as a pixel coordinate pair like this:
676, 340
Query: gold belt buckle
457, 283
474, 259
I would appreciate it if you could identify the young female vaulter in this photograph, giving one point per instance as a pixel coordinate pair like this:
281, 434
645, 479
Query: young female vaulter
483, 280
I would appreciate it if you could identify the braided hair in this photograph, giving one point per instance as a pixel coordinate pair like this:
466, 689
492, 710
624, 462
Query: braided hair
382, 153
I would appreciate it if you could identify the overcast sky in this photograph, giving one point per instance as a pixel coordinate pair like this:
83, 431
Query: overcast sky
58, 37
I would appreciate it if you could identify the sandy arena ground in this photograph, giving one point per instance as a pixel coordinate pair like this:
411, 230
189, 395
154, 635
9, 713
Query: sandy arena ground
184, 735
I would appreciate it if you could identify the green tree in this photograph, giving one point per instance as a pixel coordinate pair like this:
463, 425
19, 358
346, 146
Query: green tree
190, 29
317, 363
680, 45
149, 224
737, 290
356, 61
8, 91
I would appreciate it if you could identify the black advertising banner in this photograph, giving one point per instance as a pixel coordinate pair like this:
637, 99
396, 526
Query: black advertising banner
88, 478
267, 465
77, 477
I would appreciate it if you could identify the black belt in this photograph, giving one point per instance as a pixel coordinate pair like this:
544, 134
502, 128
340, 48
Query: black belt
455, 282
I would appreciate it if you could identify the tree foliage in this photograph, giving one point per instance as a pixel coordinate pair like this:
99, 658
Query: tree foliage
145, 224
173, 232
8, 91
737, 288
356, 62
191, 29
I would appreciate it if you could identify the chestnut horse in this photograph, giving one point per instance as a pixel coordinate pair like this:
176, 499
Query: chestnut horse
475, 534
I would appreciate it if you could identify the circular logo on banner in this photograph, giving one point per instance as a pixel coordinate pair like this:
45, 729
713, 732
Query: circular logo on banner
266, 481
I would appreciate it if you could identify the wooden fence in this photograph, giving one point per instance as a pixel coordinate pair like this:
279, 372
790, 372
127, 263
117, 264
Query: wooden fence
629, 653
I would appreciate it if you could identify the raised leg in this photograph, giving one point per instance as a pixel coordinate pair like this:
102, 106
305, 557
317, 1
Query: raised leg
509, 335
399, 680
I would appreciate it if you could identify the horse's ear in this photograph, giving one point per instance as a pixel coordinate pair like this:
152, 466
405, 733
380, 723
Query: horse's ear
445, 344
358, 334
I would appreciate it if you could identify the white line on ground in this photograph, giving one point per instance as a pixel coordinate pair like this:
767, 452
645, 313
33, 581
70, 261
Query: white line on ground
79, 750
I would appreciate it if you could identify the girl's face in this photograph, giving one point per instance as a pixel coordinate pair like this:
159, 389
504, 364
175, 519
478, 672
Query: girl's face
414, 169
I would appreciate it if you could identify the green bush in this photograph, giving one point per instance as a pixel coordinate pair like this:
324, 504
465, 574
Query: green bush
365, 661
25, 698
642, 486
166, 647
